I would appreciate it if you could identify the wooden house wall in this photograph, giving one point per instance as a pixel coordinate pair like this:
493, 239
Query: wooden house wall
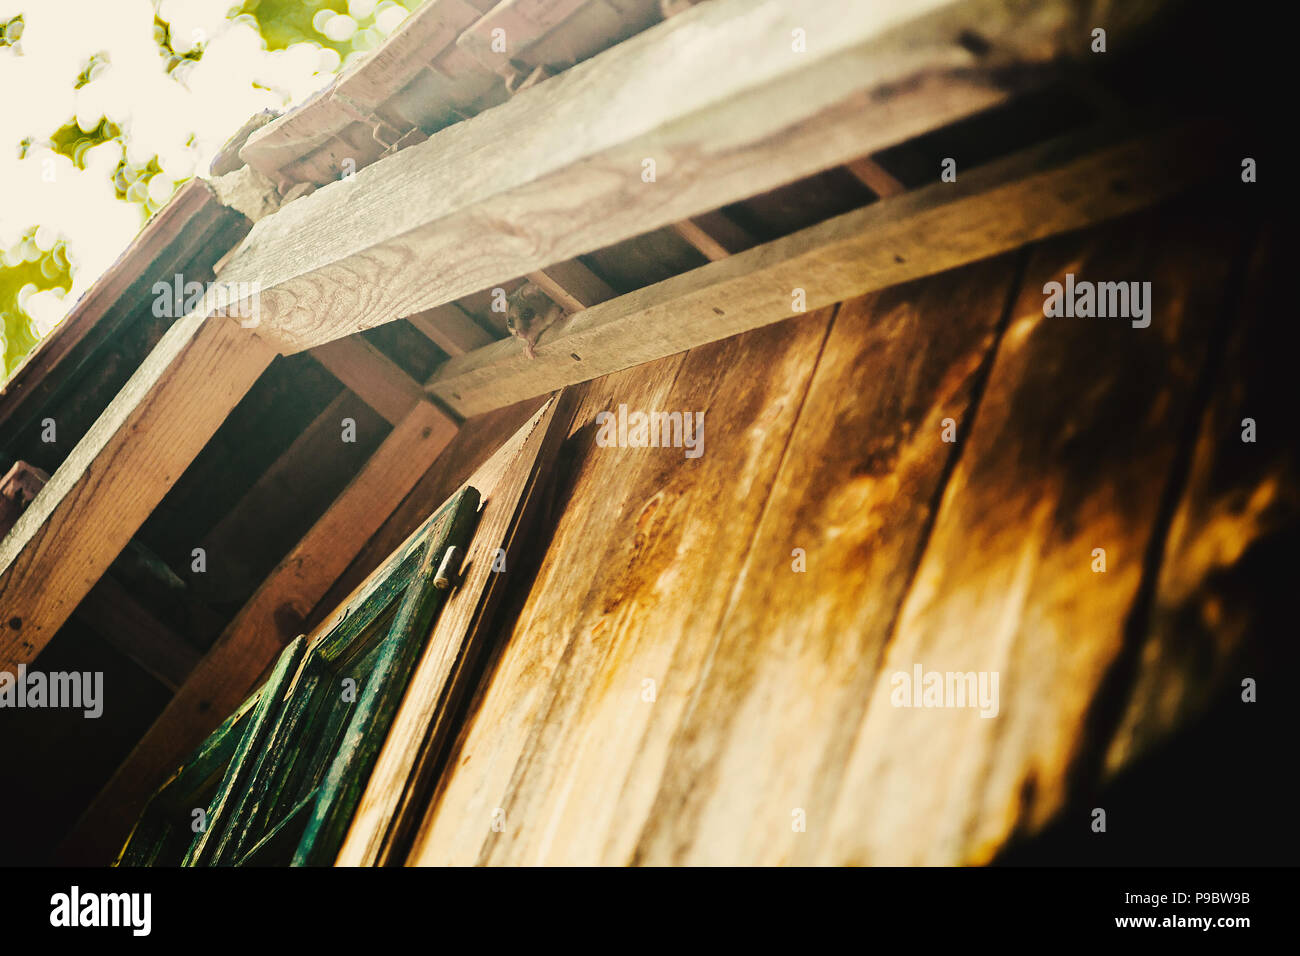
668, 689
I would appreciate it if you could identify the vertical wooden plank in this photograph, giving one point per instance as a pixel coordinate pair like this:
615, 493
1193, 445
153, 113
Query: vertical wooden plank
775, 713
1070, 451
630, 575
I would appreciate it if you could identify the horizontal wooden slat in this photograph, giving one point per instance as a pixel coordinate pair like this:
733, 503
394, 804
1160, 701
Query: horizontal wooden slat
1047, 190
755, 113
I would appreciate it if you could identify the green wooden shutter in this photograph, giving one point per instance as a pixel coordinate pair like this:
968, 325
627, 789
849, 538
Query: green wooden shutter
294, 760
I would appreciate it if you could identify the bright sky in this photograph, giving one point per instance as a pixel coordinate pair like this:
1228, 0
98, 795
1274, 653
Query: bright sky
206, 101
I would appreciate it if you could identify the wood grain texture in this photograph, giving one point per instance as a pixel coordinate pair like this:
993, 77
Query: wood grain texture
776, 709
394, 799
751, 115
271, 617
278, 150
1071, 450
629, 576
1062, 185
773, 687
117, 474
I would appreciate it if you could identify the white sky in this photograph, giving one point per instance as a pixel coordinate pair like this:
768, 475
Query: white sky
210, 102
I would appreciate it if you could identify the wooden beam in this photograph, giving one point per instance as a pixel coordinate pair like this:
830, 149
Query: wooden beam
1047, 190
749, 117
449, 328
572, 285
714, 234
379, 381
271, 618
116, 475
123, 623
875, 177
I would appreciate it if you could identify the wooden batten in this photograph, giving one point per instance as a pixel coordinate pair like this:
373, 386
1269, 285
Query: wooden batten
403, 777
1049, 189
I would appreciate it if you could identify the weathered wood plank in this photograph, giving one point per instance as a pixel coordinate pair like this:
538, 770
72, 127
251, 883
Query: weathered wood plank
776, 710
612, 589
1071, 451
1049, 189
751, 115
117, 474
271, 617
478, 443
394, 801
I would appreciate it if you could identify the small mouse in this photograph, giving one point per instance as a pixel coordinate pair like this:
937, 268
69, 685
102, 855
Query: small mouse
529, 313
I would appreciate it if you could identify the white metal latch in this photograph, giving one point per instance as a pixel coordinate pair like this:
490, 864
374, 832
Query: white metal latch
448, 575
